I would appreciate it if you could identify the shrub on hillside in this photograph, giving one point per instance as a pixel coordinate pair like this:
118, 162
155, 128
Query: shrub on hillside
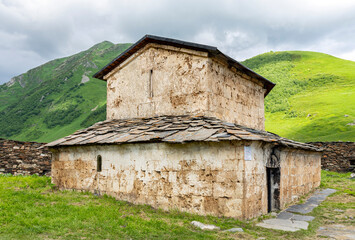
95, 116
62, 117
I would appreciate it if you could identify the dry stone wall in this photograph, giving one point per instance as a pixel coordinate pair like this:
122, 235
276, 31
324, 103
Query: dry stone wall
24, 158
337, 156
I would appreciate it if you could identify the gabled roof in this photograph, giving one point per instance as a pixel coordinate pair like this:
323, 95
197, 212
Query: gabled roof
212, 51
171, 129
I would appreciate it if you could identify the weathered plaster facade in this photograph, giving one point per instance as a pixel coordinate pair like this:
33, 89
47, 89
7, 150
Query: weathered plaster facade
300, 174
234, 96
164, 80
201, 177
184, 130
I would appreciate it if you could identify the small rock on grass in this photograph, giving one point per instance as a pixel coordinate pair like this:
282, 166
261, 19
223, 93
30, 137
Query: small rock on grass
234, 230
205, 226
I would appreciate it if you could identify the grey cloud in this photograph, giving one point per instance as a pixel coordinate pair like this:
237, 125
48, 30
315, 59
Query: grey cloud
242, 29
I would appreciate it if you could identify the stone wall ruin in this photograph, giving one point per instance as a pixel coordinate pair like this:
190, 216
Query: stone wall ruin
337, 156
24, 158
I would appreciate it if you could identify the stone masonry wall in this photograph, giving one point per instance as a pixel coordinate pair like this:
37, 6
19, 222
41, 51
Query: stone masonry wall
235, 97
200, 177
158, 82
24, 158
255, 192
300, 174
162, 80
337, 156
203, 178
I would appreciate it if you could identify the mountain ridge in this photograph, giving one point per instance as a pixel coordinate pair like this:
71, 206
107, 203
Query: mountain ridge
54, 98
59, 97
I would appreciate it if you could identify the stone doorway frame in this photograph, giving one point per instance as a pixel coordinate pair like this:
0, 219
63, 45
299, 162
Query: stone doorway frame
273, 177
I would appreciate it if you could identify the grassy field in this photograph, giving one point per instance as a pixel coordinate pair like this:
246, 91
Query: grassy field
32, 208
313, 98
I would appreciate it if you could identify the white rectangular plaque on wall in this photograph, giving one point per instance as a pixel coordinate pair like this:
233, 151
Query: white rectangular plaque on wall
247, 153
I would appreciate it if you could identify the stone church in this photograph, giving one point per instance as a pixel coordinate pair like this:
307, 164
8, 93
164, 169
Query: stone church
185, 130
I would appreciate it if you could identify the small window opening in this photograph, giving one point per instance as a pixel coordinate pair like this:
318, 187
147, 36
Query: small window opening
151, 83
99, 163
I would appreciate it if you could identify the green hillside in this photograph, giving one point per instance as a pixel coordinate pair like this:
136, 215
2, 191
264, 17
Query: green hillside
314, 97
57, 98
312, 101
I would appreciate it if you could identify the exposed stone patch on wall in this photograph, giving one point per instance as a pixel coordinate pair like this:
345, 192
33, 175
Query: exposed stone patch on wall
24, 158
337, 156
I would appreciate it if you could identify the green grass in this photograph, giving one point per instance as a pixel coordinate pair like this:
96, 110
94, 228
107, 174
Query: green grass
32, 208
314, 94
339, 181
343, 199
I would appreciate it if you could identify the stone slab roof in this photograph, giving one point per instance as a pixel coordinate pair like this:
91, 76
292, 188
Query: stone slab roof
171, 129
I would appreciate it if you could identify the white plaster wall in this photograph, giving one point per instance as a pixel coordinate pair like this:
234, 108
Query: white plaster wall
199, 177
203, 178
183, 82
234, 96
300, 174
178, 82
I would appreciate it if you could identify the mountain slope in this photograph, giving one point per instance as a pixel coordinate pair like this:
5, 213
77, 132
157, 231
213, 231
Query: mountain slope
312, 101
57, 98
314, 97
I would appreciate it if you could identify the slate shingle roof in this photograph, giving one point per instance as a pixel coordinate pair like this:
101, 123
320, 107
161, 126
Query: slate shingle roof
170, 129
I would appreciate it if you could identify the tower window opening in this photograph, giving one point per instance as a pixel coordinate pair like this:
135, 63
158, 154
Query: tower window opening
151, 83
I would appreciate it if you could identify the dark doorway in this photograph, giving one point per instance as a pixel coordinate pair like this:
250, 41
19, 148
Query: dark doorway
273, 188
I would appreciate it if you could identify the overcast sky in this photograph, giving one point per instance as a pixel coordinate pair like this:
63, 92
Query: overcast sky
33, 32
